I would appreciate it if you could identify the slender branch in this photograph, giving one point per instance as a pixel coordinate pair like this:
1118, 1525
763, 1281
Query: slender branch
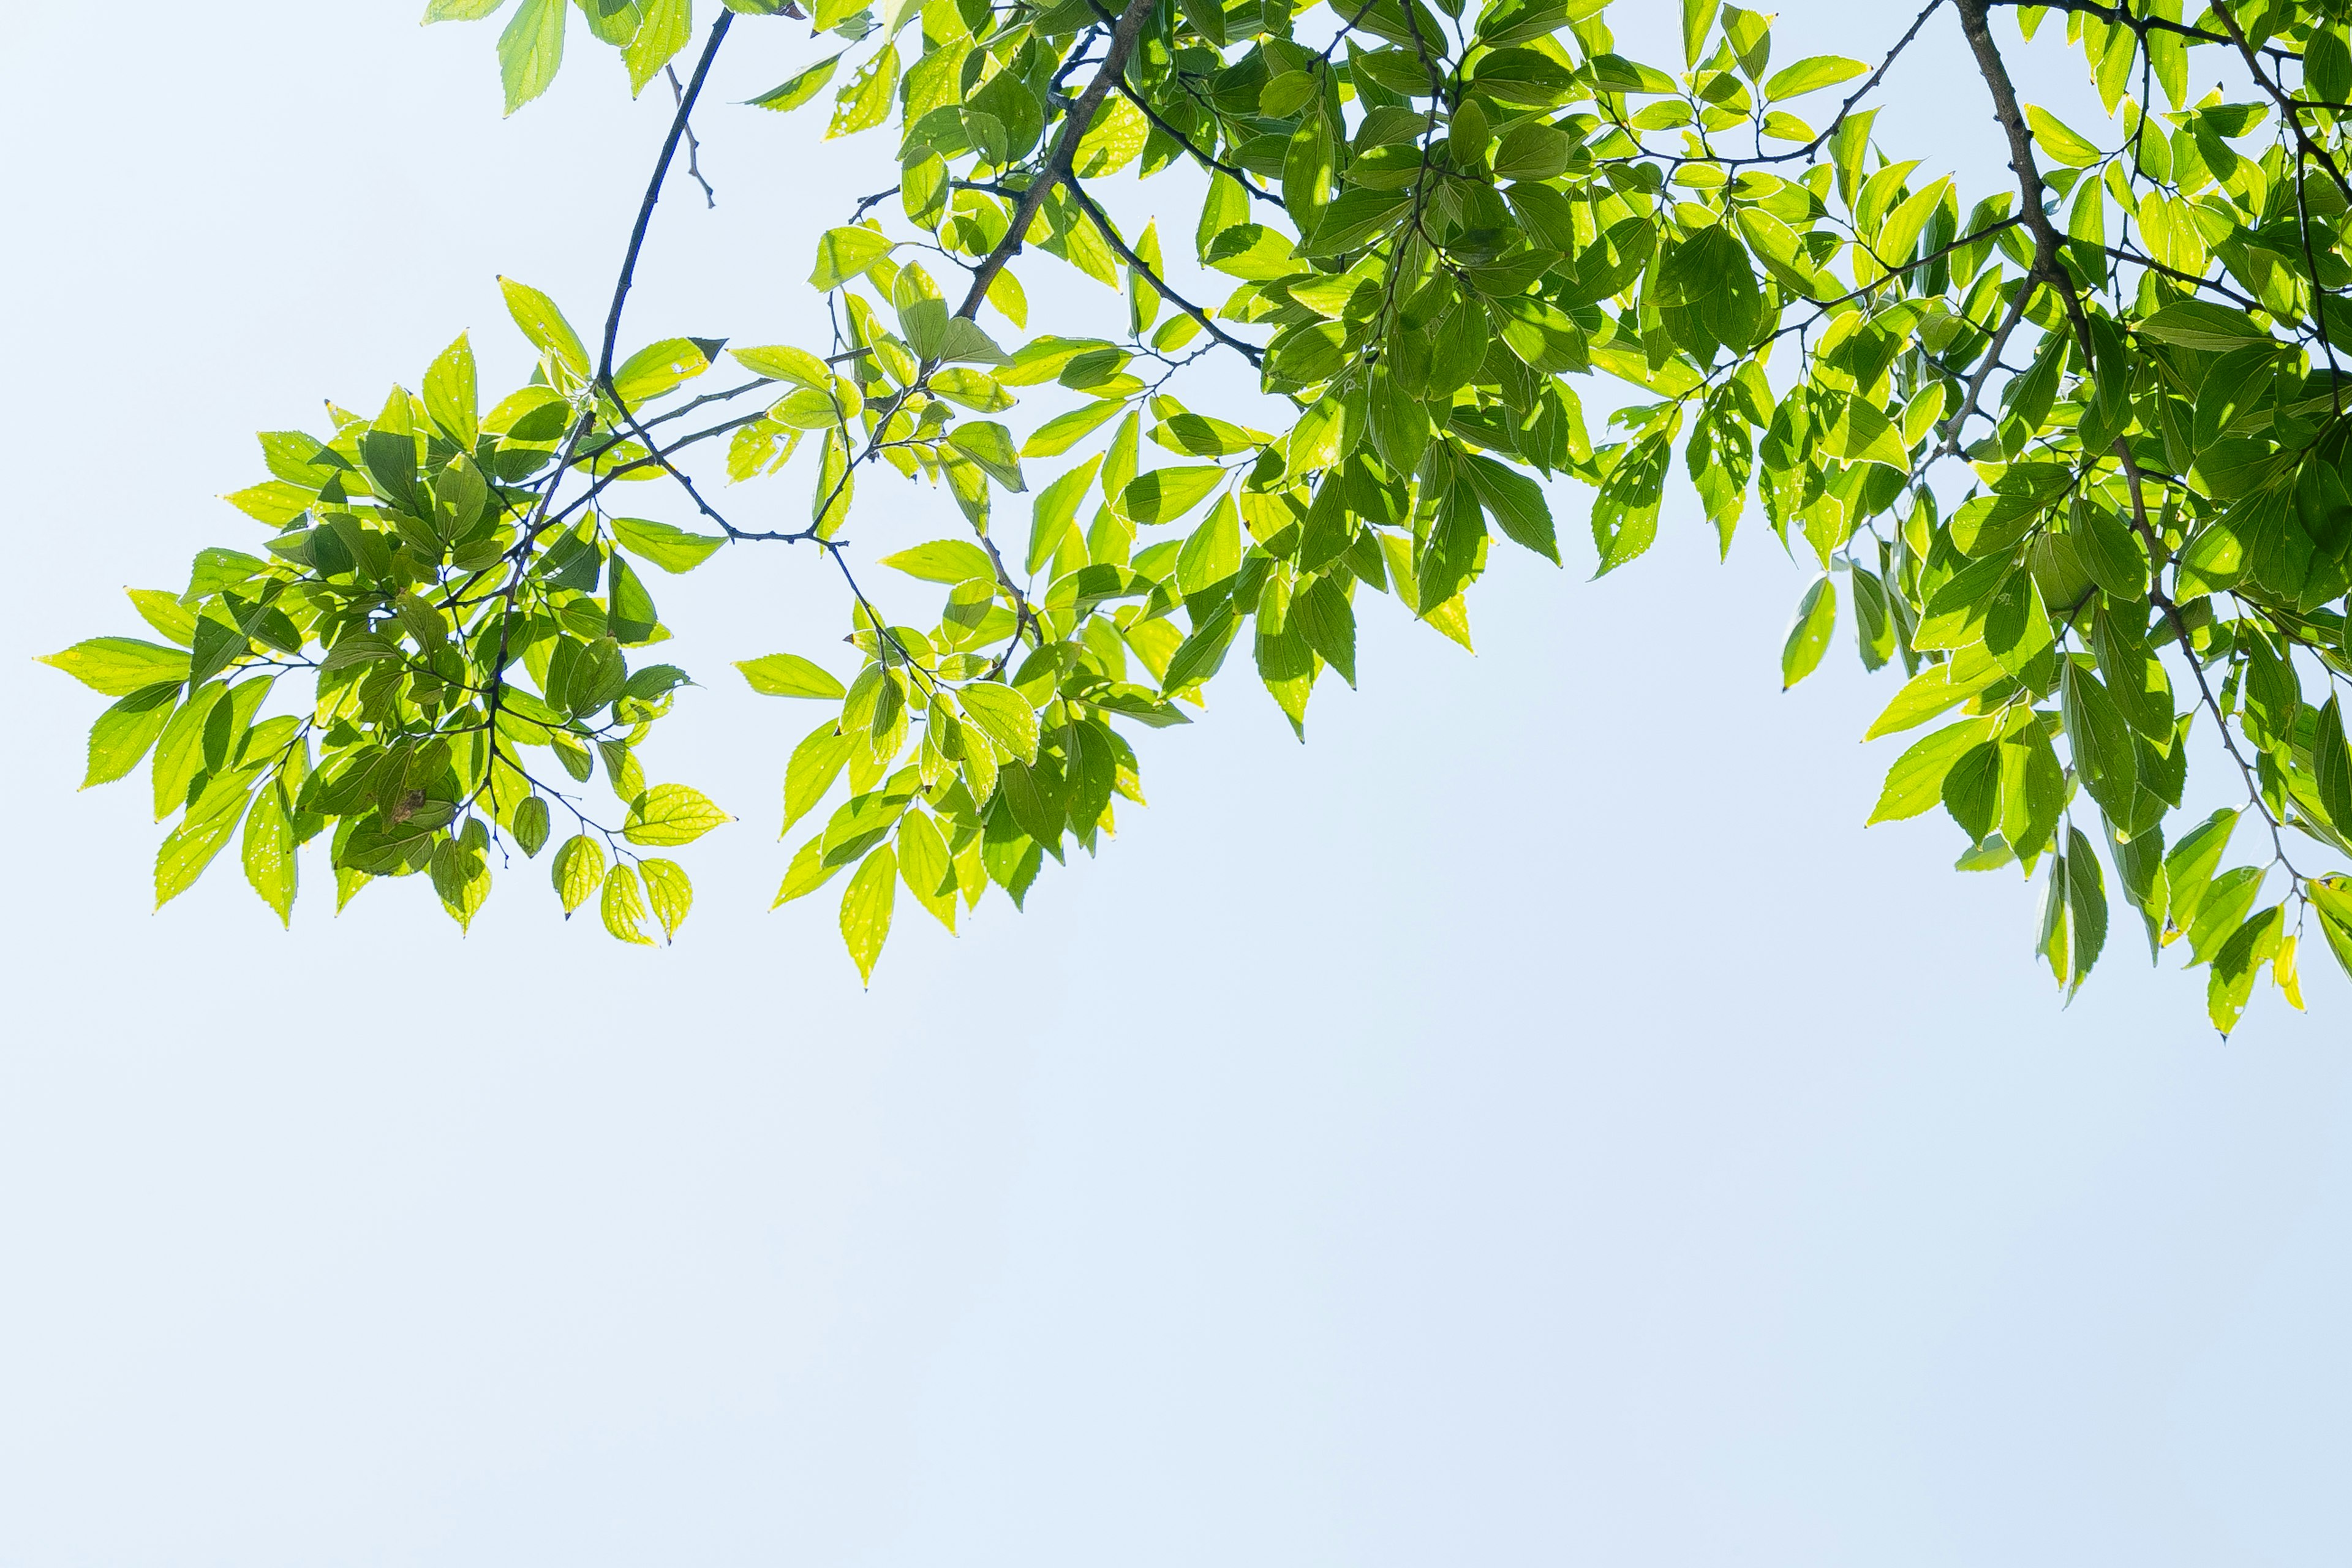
2308, 147
2124, 252
2118, 15
2319, 295
653, 191
1207, 160
1868, 85
1064, 155
1991, 362
1811, 149
693, 146
2049, 268
1250, 351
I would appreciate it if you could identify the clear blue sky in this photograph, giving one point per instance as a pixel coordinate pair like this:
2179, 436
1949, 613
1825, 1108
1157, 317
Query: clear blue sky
1531, 1123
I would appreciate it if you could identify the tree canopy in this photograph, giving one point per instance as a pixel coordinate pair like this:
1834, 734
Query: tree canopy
2072, 453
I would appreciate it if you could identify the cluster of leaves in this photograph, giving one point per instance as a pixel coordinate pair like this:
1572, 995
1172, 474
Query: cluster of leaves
417, 563
2077, 456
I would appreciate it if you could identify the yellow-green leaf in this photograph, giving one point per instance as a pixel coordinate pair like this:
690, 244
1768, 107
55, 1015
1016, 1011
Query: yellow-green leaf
790, 675
624, 906
800, 89
2059, 140
268, 853
578, 871
530, 50
666, 27
672, 814
1811, 75
1809, 636
866, 910
1004, 715
843, 253
671, 892
120, 666
543, 324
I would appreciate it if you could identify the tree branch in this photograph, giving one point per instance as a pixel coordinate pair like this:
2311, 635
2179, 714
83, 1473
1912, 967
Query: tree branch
1102, 223
2305, 144
1064, 155
2117, 16
653, 193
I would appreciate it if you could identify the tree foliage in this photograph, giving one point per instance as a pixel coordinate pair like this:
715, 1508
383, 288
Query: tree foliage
2072, 453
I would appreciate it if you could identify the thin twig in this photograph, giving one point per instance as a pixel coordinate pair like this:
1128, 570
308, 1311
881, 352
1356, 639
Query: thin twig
1248, 351
693, 145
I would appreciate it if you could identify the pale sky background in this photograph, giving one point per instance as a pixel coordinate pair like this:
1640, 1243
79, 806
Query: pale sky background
1531, 1123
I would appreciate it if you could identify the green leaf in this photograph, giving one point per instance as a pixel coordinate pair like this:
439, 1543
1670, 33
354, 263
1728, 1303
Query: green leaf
1064, 431
669, 814
1811, 75
1354, 217
667, 26
670, 891
1915, 783
117, 666
461, 878
123, 732
578, 871
2105, 758
1971, 790
2054, 137
782, 363
624, 906
2204, 327
990, 445
1213, 552
2086, 908
866, 907
530, 50
1698, 16
209, 825
459, 10
672, 549
844, 253
657, 369
1056, 509
2331, 900
815, 762
531, 825
1321, 615
926, 867
1938, 688
2331, 765
632, 618
1003, 715
1164, 495
962, 342
543, 324
2237, 962
268, 853
864, 101
800, 89
451, 398
2223, 908
1809, 637
790, 675
943, 561
165, 613
1863, 435
1516, 504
